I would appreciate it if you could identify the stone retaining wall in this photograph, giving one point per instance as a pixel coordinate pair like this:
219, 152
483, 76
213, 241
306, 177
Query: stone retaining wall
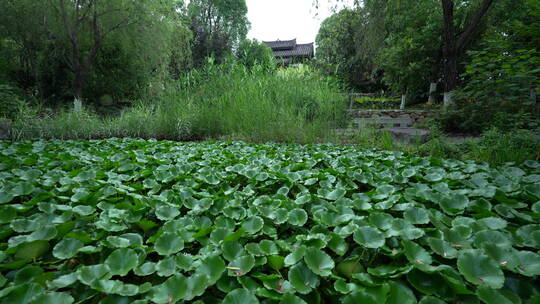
415, 115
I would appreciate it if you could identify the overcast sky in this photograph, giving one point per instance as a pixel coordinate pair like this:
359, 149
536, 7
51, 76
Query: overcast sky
287, 19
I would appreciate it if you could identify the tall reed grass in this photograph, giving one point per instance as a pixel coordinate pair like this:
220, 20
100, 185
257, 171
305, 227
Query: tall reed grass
216, 101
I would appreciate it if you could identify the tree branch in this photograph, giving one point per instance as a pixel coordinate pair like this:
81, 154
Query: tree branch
465, 38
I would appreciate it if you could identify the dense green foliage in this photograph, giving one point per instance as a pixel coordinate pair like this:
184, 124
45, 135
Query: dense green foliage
214, 101
343, 50
137, 221
111, 50
218, 25
403, 39
252, 53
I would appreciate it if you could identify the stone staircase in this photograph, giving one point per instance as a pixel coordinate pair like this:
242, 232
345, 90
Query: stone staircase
399, 123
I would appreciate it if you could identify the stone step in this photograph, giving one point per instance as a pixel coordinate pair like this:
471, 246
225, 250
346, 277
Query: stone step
410, 135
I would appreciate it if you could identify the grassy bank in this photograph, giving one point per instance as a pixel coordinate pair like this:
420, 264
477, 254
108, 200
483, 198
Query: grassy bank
213, 102
231, 103
495, 147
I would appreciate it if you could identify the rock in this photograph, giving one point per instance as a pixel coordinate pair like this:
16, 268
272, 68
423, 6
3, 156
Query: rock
410, 135
106, 100
4, 128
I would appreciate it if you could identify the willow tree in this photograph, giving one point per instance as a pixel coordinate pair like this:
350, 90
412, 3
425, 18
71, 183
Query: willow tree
79, 43
218, 26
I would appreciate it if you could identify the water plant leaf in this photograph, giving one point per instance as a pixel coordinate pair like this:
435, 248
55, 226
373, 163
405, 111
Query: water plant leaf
369, 237
67, 248
319, 262
479, 269
169, 243
240, 296
121, 261
302, 278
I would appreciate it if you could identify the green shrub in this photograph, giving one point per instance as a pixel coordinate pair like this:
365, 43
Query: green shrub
498, 91
10, 100
253, 53
497, 147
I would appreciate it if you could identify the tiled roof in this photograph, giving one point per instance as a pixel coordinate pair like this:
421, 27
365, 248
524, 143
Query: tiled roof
281, 45
299, 51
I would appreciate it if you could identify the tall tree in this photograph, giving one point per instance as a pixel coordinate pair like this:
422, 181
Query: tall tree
218, 25
456, 44
341, 51
88, 48
85, 27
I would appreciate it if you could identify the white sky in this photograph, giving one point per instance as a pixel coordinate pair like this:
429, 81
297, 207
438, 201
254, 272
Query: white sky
287, 19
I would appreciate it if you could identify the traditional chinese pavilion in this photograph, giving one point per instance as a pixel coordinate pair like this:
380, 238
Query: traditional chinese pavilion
289, 52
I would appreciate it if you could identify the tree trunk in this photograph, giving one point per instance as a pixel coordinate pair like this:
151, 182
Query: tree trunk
450, 47
455, 46
403, 101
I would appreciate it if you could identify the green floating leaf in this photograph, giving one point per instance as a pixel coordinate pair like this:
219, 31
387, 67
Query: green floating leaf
369, 237
268, 247
345, 288
290, 298
400, 294
297, 217
241, 265
429, 283
64, 281
442, 248
431, 300
253, 224
167, 212
338, 244
121, 261
23, 294
479, 269
67, 248
169, 243
335, 194
145, 269
166, 267
33, 250
368, 295
492, 296
90, 274
212, 268
53, 298
170, 291
240, 296
295, 256
454, 203
389, 271
276, 262
319, 262
302, 278
416, 215
5, 197
416, 254
529, 263
232, 250
27, 274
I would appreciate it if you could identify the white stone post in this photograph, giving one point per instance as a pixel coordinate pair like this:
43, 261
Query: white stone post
447, 101
77, 105
403, 101
432, 90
